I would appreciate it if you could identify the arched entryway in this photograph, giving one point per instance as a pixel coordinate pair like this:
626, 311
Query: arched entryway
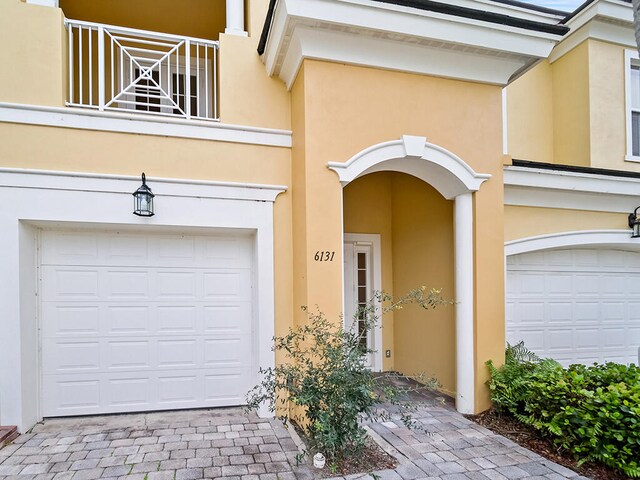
449, 188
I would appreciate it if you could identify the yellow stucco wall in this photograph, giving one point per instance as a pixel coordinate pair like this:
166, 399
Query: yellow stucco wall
368, 204
572, 111
33, 59
523, 222
193, 18
530, 115
571, 129
423, 255
347, 109
66, 149
248, 95
38, 73
608, 104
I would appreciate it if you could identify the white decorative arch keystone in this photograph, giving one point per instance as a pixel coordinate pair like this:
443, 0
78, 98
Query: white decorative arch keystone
438, 167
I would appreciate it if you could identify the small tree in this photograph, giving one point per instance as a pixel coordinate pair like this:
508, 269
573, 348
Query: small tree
324, 384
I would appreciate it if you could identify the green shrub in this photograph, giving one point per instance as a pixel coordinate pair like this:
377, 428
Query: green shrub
591, 411
323, 383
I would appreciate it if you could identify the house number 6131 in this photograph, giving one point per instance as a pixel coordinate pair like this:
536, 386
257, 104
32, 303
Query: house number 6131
324, 256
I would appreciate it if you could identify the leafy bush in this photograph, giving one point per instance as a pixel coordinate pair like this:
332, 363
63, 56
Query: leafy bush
591, 411
323, 383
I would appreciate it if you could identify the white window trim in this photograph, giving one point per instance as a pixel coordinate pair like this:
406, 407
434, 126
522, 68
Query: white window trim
631, 57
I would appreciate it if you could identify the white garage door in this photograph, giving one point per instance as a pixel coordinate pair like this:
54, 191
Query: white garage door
133, 322
576, 305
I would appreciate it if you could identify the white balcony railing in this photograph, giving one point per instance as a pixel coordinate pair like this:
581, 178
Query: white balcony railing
135, 71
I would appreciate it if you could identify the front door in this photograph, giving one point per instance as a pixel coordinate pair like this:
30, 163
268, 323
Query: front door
361, 280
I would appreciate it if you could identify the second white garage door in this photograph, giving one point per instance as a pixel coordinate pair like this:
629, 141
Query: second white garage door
133, 322
575, 305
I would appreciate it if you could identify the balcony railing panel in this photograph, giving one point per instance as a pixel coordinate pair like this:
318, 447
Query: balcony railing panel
136, 71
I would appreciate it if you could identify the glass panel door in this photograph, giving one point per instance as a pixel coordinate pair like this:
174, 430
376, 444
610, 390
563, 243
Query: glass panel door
358, 291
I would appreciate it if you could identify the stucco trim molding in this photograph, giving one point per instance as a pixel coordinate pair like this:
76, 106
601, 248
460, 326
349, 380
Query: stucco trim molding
606, 20
78, 118
384, 35
438, 167
581, 238
106, 183
533, 187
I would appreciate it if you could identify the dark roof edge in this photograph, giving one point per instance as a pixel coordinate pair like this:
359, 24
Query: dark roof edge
581, 8
531, 6
575, 169
577, 11
438, 7
481, 15
262, 44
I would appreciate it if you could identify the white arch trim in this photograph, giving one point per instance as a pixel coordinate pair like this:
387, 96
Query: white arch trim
438, 167
610, 238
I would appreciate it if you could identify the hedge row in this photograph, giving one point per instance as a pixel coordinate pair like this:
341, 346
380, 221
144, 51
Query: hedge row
591, 411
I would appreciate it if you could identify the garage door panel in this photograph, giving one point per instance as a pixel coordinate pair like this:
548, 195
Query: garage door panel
101, 284
587, 312
586, 284
128, 354
70, 320
81, 320
154, 334
125, 319
530, 284
128, 249
598, 317
612, 311
226, 352
228, 318
180, 319
71, 395
533, 339
71, 355
559, 285
125, 284
587, 339
134, 393
613, 285
70, 284
223, 388
531, 312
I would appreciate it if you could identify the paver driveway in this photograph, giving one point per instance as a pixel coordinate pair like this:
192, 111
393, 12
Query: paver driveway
229, 443
156, 446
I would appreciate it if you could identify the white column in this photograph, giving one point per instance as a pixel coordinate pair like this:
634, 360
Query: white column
235, 18
465, 384
45, 3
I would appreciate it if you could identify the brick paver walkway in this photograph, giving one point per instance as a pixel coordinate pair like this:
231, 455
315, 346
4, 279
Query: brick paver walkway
156, 446
231, 444
450, 447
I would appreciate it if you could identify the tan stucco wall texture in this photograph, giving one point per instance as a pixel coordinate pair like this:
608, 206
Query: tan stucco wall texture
339, 110
334, 112
572, 111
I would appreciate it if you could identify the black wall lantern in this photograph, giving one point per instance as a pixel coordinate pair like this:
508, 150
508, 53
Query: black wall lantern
143, 200
634, 224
